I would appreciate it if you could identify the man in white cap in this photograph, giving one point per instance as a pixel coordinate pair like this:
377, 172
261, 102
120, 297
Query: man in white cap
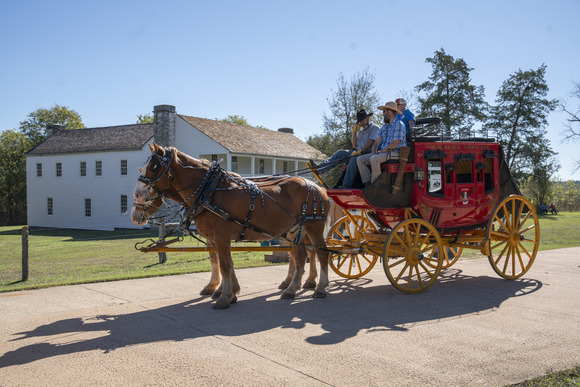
392, 136
407, 117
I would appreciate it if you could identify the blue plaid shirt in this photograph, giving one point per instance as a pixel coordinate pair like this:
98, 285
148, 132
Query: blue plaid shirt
394, 131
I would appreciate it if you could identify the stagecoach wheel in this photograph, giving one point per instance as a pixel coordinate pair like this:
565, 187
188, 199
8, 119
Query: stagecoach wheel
347, 234
513, 234
450, 256
410, 259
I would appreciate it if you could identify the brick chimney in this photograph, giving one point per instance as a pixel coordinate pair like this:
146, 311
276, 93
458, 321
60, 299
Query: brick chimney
53, 128
286, 130
164, 118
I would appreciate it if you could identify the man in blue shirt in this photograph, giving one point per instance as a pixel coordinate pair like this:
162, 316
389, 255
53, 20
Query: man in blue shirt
407, 117
392, 136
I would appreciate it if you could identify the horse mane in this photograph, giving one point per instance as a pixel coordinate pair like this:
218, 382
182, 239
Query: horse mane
186, 160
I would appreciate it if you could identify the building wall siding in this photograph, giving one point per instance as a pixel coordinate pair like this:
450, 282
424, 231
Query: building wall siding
70, 190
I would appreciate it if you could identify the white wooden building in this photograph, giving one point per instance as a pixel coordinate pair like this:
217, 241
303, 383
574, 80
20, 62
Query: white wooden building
84, 178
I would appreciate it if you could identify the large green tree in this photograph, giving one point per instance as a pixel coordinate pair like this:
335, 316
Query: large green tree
449, 94
519, 119
13, 147
35, 126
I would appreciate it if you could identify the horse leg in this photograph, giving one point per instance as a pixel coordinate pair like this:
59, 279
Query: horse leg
229, 286
316, 236
291, 270
312, 273
300, 258
210, 288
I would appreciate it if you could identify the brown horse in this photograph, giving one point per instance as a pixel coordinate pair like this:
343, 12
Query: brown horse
225, 207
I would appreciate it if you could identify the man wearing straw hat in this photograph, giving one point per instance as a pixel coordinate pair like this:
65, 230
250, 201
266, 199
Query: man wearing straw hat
392, 136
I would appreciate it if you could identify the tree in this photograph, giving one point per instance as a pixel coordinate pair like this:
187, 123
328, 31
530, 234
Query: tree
238, 120
450, 95
519, 119
35, 126
572, 126
13, 147
344, 103
145, 119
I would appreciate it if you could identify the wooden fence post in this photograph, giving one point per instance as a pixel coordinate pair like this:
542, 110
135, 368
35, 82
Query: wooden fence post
25, 253
162, 256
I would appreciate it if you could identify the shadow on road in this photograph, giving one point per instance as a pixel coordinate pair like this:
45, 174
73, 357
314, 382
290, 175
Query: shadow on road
352, 306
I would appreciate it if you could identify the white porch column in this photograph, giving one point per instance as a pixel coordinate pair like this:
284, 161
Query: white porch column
253, 166
229, 161
273, 166
296, 167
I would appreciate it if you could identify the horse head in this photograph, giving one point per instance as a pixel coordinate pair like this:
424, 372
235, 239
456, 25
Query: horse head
151, 187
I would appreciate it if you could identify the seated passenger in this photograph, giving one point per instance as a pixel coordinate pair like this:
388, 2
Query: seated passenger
363, 137
392, 136
407, 117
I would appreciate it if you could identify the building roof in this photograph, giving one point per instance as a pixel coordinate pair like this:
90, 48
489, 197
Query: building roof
250, 140
110, 138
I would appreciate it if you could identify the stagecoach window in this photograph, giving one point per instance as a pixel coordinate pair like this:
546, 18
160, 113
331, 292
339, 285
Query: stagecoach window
464, 171
434, 182
99, 168
59, 169
83, 168
124, 167
87, 207
123, 204
487, 174
39, 169
49, 206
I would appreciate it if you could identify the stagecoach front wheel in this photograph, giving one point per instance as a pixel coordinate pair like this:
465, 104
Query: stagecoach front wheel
411, 260
450, 256
513, 234
348, 236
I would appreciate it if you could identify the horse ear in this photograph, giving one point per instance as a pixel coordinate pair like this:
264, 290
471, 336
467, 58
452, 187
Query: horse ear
152, 148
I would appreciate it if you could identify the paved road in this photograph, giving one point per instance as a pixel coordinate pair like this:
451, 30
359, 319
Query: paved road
470, 328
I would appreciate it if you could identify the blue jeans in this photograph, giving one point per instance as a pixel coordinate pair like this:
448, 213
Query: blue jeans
339, 158
351, 172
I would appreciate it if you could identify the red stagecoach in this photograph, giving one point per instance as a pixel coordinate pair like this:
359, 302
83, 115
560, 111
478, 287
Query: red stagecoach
424, 209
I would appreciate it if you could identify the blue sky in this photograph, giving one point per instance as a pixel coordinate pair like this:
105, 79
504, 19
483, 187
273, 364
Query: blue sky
273, 62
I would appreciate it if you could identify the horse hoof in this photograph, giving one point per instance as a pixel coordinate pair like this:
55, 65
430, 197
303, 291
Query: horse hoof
309, 285
216, 295
319, 295
206, 292
283, 285
233, 300
221, 304
287, 296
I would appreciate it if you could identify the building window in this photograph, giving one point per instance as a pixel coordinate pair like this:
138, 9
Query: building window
124, 167
87, 207
39, 169
58, 169
213, 158
261, 166
123, 204
83, 168
234, 163
49, 206
99, 168
284, 166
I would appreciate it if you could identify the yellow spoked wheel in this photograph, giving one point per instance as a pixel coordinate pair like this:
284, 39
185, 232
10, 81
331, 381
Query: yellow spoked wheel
347, 235
513, 234
450, 256
410, 259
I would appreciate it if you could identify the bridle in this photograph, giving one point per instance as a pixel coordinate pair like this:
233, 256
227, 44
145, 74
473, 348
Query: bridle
159, 166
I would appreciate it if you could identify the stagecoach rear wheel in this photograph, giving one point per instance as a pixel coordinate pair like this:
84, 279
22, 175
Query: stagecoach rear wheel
513, 234
347, 235
410, 259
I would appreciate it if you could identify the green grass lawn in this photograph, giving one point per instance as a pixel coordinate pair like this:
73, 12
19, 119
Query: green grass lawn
64, 257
